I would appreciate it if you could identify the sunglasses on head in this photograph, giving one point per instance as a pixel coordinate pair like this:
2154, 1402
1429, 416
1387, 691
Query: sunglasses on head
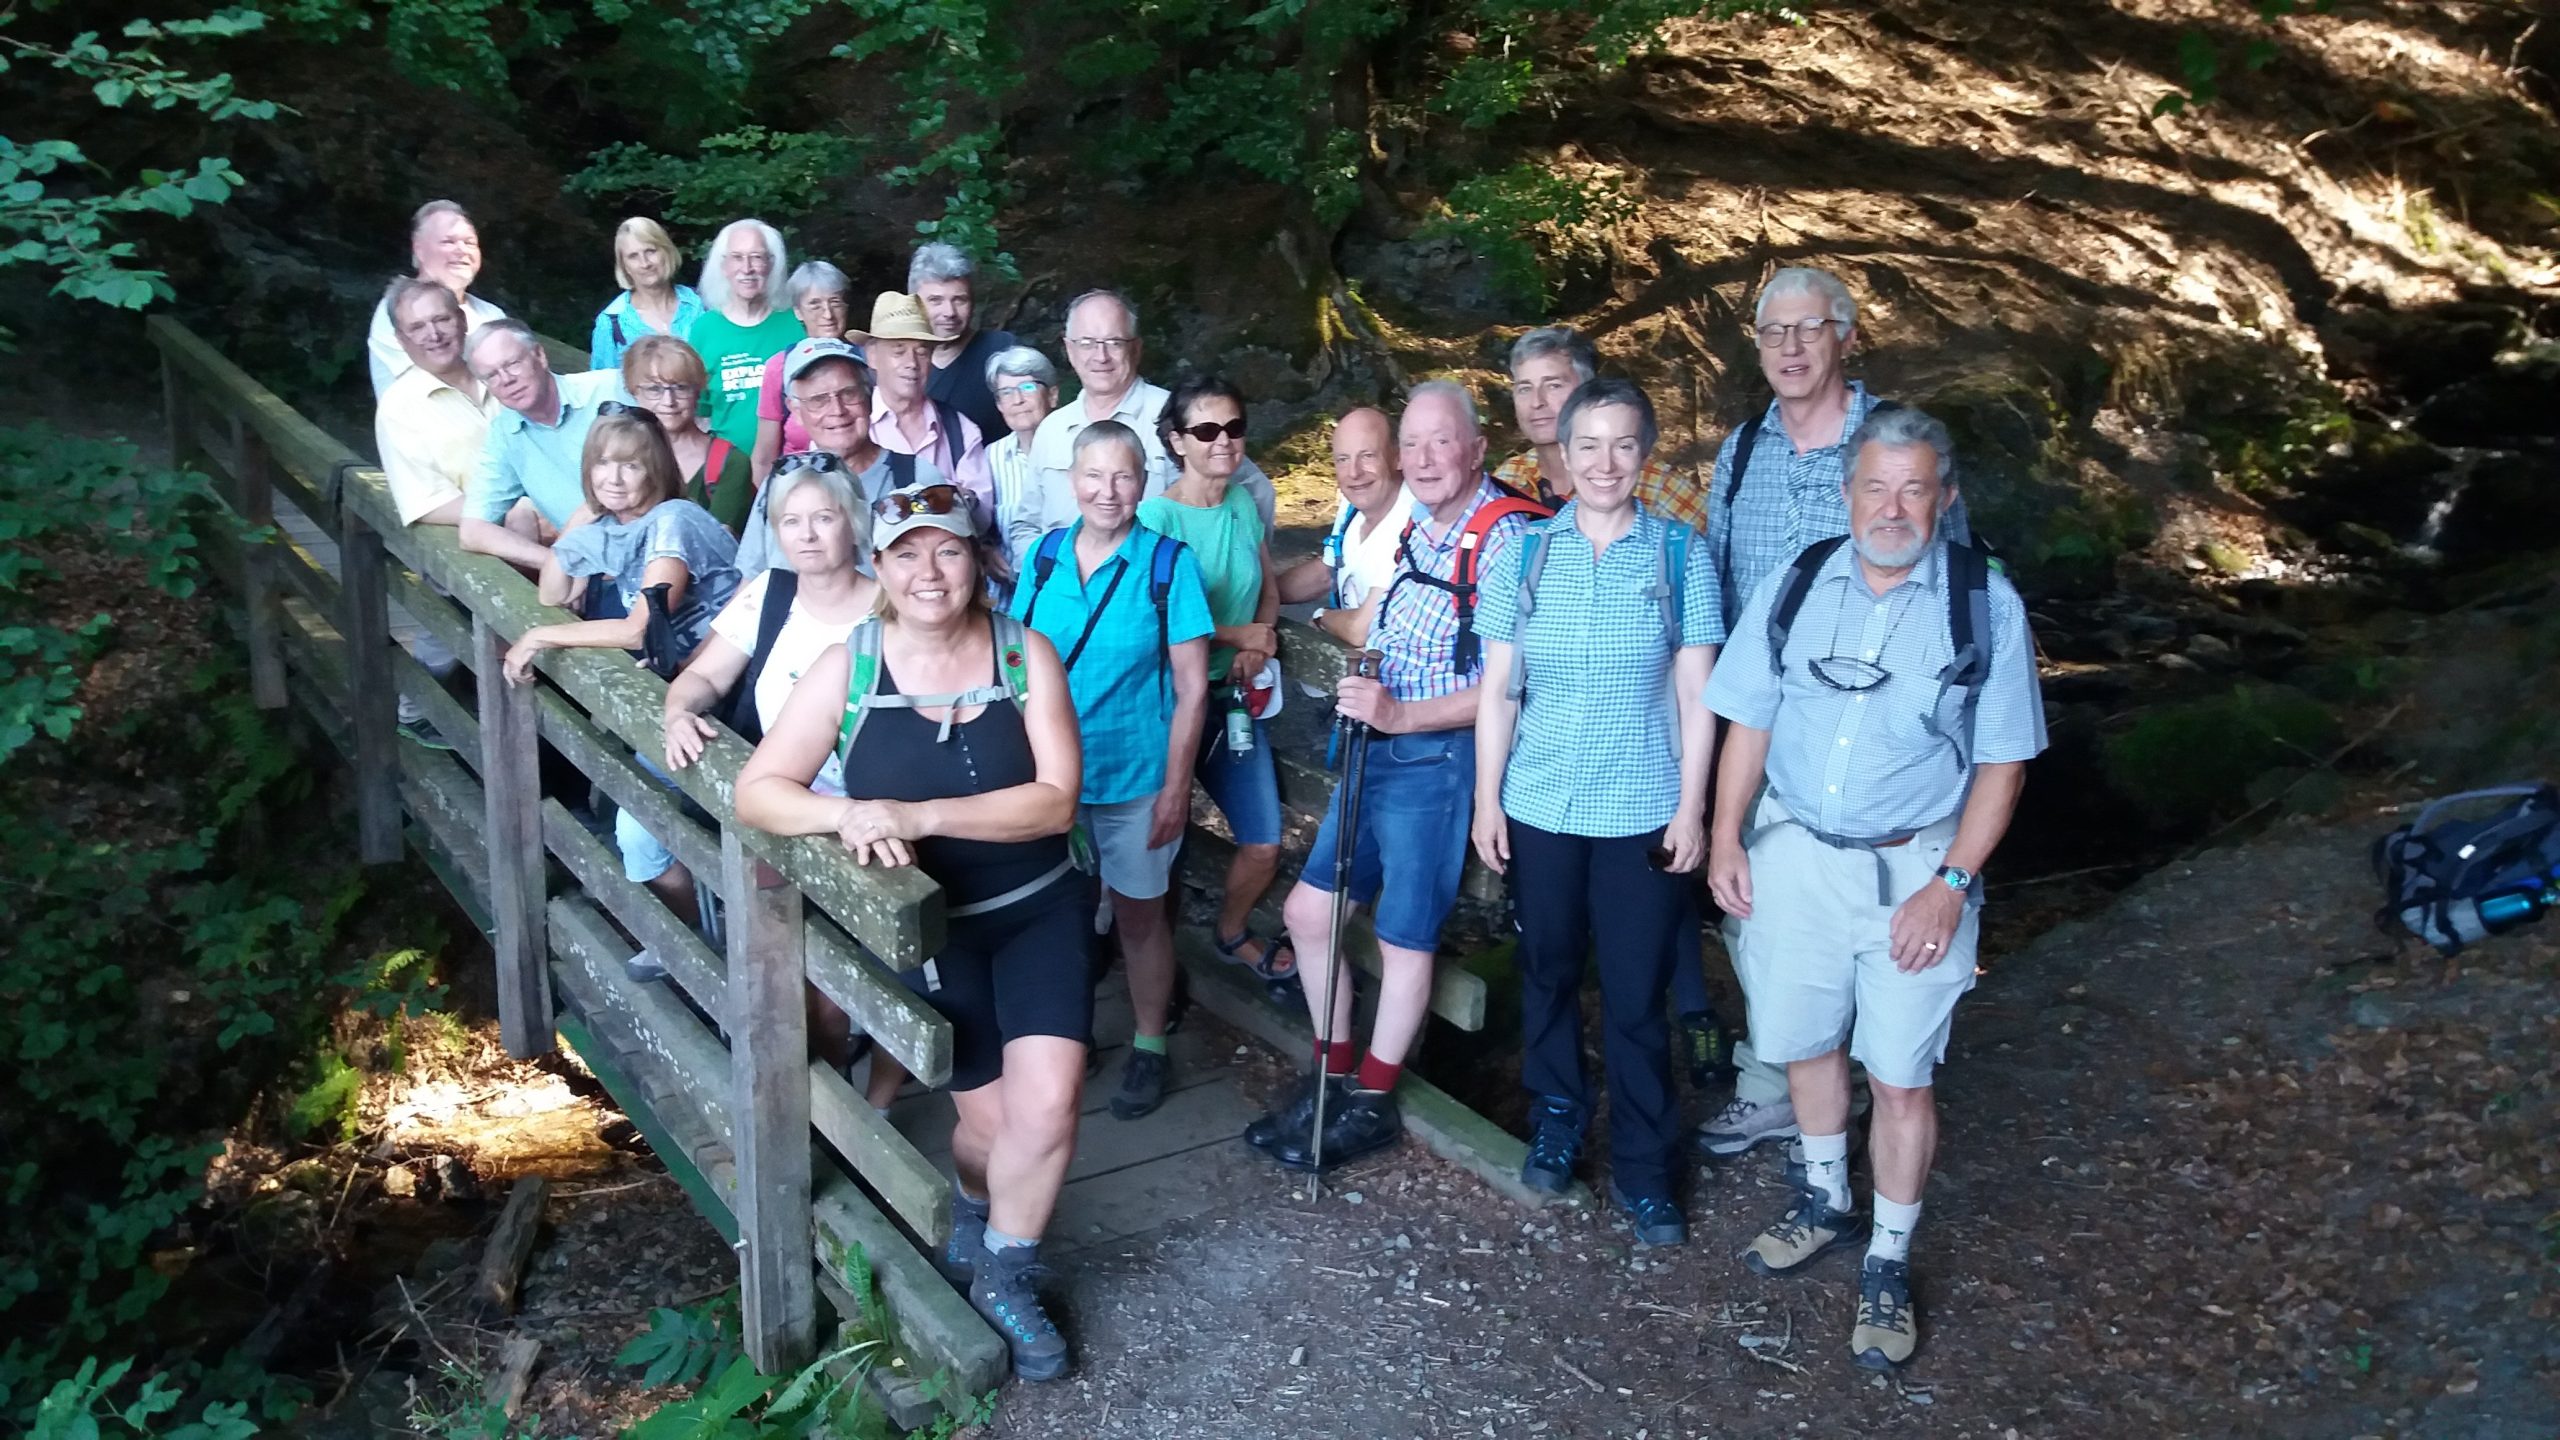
931, 500
1206, 431
616, 407
825, 462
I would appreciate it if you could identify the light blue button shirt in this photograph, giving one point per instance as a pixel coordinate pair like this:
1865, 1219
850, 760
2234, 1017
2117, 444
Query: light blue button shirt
1865, 764
524, 459
1594, 752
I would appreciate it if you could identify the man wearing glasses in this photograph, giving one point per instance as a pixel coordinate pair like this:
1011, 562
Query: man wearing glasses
828, 389
532, 454
1793, 459
1103, 349
1891, 716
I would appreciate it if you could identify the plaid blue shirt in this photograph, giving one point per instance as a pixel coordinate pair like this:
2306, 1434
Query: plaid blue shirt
1862, 764
1593, 752
1124, 696
1416, 628
1788, 501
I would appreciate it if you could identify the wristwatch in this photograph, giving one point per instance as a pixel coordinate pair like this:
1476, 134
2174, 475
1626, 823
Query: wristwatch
1958, 878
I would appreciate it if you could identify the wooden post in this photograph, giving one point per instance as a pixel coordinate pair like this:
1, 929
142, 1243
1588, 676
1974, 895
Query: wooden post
511, 775
254, 499
769, 1110
372, 695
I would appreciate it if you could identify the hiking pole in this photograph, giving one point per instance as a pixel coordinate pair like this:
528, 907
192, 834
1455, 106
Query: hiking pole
1346, 844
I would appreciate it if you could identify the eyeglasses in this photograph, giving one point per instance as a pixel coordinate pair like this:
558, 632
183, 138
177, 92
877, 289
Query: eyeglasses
825, 462
850, 397
1849, 674
515, 369
1107, 344
1023, 387
1207, 431
931, 500
1806, 332
616, 407
750, 260
664, 390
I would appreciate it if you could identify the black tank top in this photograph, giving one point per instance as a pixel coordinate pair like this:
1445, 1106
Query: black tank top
896, 757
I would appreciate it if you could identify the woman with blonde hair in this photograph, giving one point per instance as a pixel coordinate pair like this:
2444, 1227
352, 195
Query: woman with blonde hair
667, 377
651, 303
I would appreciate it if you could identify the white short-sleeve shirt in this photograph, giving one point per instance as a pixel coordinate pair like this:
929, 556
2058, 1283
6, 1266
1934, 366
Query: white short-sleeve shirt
803, 639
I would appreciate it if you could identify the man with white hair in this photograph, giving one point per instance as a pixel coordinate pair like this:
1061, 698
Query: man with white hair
1776, 489
1104, 350
535, 447
1858, 799
444, 247
429, 430
1418, 792
945, 279
741, 327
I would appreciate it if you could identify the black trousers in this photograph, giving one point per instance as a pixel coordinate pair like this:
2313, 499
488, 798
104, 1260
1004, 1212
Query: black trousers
1579, 896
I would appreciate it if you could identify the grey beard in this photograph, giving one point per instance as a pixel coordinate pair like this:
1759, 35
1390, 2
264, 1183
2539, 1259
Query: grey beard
1902, 558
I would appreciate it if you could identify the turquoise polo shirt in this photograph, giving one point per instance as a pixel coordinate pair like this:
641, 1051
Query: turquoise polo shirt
528, 460
1122, 681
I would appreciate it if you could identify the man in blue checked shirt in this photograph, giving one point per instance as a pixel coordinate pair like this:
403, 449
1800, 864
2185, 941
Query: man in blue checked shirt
1787, 497
1862, 788
1414, 808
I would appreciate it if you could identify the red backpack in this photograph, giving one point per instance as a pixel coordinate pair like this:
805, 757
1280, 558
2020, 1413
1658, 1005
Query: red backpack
1461, 583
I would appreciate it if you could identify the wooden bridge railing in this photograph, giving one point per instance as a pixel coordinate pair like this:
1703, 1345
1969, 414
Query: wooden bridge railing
716, 1065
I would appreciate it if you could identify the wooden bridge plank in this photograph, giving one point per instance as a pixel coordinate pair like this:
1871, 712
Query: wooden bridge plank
692, 963
915, 1190
769, 1111
373, 704
895, 1017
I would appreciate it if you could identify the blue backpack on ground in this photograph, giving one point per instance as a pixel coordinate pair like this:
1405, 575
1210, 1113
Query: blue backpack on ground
2457, 881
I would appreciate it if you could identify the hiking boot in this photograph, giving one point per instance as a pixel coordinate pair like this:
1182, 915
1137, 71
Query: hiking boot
1656, 1218
1742, 1124
1809, 1228
1296, 1112
1707, 1047
1888, 1327
1002, 1292
1554, 1146
1141, 1084
422, 731
1363, 1122
959, 1256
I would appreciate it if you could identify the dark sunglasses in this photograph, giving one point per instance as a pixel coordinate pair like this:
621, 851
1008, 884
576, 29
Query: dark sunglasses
825, 462
931, 500
1204, 432
616, 407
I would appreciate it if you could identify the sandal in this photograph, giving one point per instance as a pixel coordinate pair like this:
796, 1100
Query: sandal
1270, 967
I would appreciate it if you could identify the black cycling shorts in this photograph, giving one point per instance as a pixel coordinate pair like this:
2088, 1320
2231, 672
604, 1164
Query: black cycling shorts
1023, 970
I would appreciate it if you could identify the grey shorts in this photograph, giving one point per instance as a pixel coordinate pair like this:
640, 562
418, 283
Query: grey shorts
1119, 835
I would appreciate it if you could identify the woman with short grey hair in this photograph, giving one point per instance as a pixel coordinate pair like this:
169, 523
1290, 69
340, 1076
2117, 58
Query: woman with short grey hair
822, 299
1025, 385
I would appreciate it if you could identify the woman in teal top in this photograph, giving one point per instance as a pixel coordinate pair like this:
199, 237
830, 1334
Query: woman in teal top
1203, 428
651, 303
740, 329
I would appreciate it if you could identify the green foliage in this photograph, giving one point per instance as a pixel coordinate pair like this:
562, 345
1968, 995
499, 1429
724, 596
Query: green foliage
684, 1347
82, 1406
467, 1412
700, 1346
1532, 224
2205, 63
747, 171
60, 210
2191, 761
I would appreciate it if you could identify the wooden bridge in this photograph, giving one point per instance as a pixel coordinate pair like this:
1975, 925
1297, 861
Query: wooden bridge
713, 1066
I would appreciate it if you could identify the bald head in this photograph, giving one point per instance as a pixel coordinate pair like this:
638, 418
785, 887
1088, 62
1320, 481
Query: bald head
1364, 459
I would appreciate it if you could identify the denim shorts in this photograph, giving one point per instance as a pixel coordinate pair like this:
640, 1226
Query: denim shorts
1246, 787
1414, 812
643, 858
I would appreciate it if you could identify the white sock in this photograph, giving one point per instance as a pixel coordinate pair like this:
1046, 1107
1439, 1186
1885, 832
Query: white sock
998, 1242
1826, 1167
1890, 1239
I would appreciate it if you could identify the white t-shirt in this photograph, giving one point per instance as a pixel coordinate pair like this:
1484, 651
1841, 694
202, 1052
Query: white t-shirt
1368, 551
803, 639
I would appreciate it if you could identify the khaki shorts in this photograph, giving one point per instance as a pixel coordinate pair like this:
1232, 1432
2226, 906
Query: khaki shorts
1816, 957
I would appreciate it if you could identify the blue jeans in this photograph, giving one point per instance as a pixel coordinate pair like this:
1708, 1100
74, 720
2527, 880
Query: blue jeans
1246, 787
1414, 812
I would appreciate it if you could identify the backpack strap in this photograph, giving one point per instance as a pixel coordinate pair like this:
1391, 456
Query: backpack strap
715, 460
1670, 574
902, 468
1791, 593
862, 688
1333, 548
1044, 563
1533, 565
1160, 566
1968, 582
1745, 441
781, 588
1011, 658
862, 648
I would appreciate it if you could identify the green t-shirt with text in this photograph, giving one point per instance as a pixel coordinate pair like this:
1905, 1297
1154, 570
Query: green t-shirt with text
735, 355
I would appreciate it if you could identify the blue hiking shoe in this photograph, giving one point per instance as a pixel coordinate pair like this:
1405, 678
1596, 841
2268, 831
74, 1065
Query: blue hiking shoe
1555, 1146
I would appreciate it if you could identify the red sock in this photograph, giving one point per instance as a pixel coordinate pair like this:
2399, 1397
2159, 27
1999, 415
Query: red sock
1377, 1074
1337, 1056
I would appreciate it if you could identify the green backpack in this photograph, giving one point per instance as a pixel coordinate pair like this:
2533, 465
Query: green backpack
861, 690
